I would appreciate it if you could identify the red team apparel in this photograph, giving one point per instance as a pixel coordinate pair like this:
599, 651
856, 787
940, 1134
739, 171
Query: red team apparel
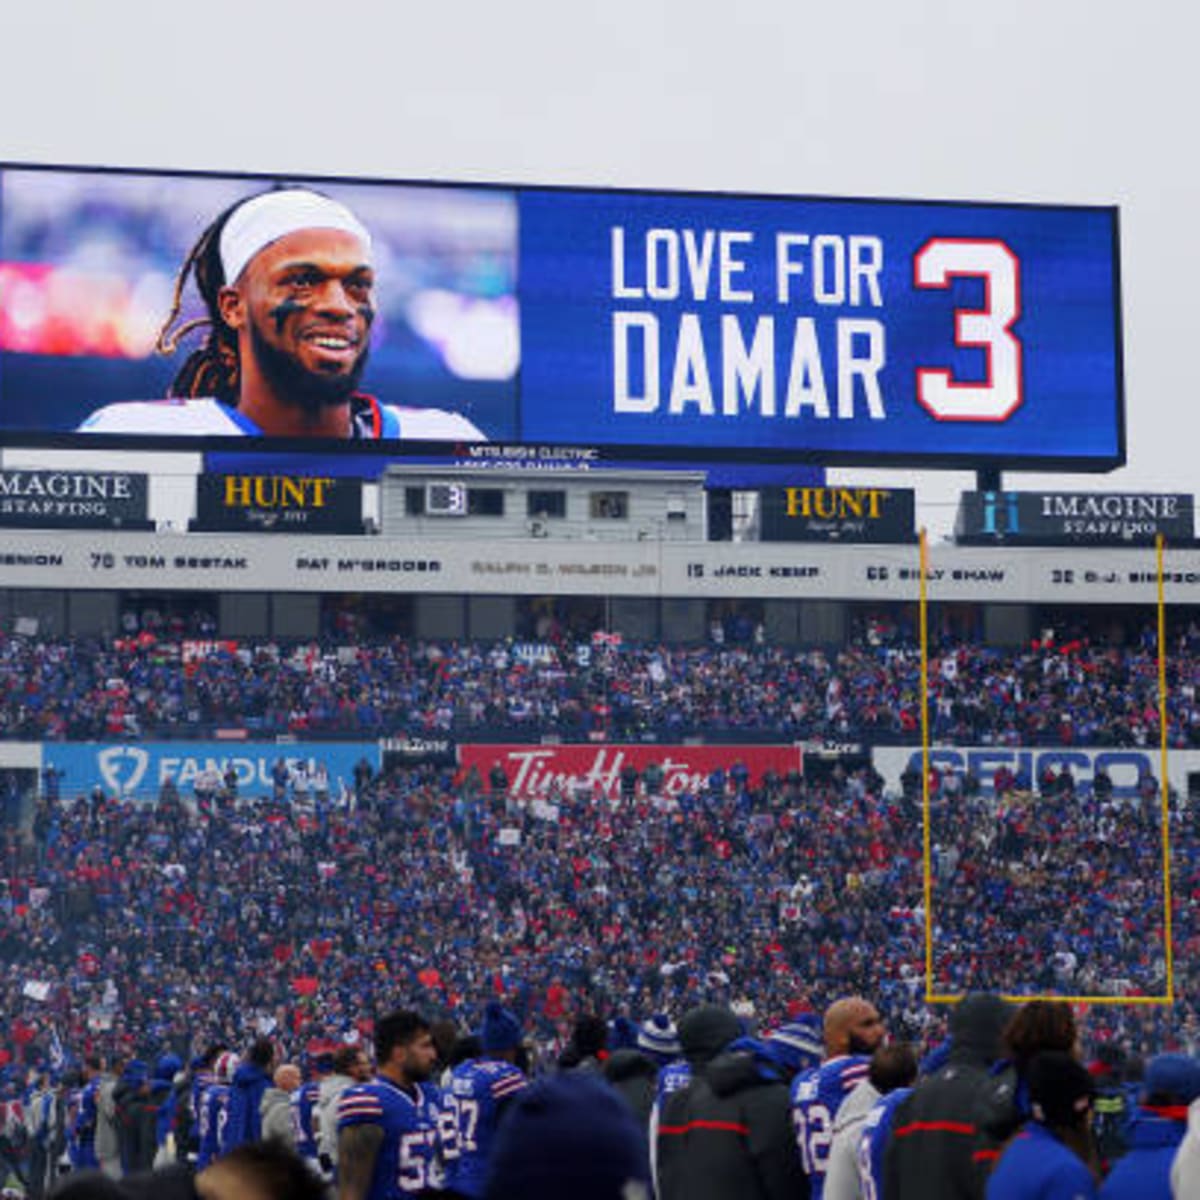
408, 1161
816, 1097
474, 1102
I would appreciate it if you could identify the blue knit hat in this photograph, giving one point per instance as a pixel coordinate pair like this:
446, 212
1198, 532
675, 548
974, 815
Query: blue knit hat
799, 1044
622, 1034
659, 1037
1176, 1075
570, 1134
501, 1030
167, 1067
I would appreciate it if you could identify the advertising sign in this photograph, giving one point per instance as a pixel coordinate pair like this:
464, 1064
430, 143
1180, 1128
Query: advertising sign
1125, 767
140, 769
278, 504
995, 574
837, 514
416, 751
73, 500
535, 772
1067, 518
668, 326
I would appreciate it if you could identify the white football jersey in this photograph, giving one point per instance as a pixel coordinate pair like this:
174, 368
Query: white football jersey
207, 417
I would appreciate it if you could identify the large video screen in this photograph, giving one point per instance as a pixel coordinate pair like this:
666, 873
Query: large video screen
418, 318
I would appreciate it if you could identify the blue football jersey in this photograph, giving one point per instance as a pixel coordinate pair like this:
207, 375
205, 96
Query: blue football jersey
214, 1111
300, 1106
202, 1080
408, 1158
872, 1143
670, 1079
816, 1097
81, 1133
474, 1102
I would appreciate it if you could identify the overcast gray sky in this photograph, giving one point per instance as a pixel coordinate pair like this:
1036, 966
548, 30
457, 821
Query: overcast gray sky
1056, 100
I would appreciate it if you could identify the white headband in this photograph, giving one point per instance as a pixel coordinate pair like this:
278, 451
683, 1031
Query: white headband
265, 219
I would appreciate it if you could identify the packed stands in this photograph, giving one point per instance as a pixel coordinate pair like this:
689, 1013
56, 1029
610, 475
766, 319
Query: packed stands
1064, 690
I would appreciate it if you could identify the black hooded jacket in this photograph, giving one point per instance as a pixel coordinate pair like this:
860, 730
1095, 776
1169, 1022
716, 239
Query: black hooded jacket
634, 1075
729, 1133
940, 1147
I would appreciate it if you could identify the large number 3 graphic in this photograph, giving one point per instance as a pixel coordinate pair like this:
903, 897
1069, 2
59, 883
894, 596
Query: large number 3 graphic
990, 329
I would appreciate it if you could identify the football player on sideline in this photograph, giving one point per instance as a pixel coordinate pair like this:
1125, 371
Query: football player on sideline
480, 1090
853, 1030
288, 284
388, 1129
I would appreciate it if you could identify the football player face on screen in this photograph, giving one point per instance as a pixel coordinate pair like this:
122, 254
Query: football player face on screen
302, 310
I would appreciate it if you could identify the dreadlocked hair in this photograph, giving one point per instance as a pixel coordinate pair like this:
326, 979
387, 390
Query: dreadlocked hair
212, 369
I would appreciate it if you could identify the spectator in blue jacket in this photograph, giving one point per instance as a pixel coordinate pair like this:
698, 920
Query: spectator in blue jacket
1159, 1123
1048, 1159
250, 1081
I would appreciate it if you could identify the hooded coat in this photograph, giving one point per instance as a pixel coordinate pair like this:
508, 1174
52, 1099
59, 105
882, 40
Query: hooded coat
634, 1075
1038, 1164
729, 1133
250, 1082
940, 1148
1144, 1171
277, 1116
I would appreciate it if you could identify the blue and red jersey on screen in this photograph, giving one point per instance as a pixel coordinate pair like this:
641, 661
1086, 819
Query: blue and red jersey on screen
816, 1097
408, 1159
474, 1101
872, 1144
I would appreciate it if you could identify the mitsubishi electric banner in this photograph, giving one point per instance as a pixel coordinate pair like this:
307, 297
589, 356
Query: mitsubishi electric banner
140, 769
671, 327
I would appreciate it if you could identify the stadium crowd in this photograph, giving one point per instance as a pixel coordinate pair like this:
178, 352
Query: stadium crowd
1060, 891
1001, 1105
180, 923
139, 931
179, 920
163, 683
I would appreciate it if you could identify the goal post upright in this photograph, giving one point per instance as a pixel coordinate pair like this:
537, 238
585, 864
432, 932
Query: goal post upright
932, 994
1160, 546
923, 623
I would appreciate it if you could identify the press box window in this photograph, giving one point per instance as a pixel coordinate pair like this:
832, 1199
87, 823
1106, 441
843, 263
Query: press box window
414, 501
485, 502
546, 504
610, 506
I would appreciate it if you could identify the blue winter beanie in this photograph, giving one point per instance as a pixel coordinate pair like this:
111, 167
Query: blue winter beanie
167, 1067
501, 1029
798, 1045
622, 1034
659, 1037
570, 1135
